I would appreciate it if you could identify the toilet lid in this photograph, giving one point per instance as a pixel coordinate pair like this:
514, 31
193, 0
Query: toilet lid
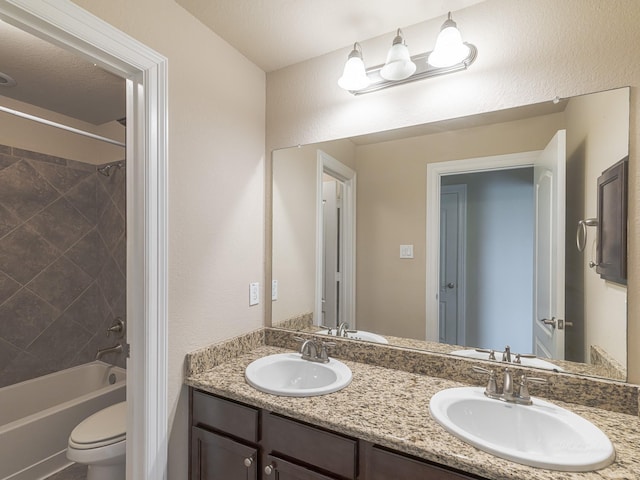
103, 427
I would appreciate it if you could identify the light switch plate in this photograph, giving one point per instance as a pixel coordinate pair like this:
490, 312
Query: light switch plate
254, 294
406, 251
274, 290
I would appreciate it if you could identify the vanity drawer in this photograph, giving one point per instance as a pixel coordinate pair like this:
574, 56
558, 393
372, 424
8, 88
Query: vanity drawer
381, 464
309, 445
227, 416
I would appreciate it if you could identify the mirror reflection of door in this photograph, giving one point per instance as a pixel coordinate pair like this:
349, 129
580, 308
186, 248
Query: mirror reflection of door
335, 242
331, 250
513, 262
453, 213
549, 258
498, 258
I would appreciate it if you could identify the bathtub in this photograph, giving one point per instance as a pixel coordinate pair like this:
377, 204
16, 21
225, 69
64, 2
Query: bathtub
37, 416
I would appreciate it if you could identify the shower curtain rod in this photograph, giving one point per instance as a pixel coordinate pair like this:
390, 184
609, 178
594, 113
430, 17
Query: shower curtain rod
61, 126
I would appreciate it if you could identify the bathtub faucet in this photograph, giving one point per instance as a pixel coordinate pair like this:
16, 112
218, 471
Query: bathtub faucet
118, 348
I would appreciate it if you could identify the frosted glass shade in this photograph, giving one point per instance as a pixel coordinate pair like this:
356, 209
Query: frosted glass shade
449, 47
354, 77
399, 65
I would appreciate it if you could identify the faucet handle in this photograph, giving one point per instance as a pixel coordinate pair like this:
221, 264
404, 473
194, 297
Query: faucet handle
324, 354
492, 386
523, 395
117, 328
492, 353
523, 355
328, 329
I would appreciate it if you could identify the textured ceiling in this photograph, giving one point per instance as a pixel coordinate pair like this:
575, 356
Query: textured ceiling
276, 33
51, 78
271, 33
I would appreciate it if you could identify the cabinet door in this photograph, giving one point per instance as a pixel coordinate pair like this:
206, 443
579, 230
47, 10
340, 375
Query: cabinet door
214, 457
278, 469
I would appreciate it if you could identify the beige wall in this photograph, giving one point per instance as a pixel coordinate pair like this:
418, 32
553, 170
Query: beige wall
216, 187
597, 137
392, 181
529, 52
30, 135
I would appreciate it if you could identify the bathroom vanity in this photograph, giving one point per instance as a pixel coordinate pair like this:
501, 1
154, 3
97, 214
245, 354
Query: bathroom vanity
233, 440
379, 427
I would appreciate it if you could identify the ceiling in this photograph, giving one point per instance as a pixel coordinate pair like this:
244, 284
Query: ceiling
271, 33
276, 33
52, 78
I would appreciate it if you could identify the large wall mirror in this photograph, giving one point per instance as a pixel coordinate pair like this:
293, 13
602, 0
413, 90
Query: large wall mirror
435, 236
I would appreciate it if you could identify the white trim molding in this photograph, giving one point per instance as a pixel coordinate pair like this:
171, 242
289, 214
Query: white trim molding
434, 172
327, 164
67, 25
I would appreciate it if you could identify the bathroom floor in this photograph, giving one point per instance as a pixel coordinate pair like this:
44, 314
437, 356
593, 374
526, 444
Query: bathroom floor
74, 472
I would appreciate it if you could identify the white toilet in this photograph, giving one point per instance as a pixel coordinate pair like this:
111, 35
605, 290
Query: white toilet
99, 441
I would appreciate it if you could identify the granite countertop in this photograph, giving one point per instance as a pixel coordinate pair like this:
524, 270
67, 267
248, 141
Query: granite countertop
391, 408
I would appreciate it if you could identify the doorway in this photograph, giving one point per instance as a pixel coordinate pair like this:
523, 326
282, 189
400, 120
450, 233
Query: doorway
549, 238
335, 242
69, 26
497, 267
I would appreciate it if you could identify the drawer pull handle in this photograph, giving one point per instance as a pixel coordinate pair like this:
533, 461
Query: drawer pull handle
268, 470
248, 462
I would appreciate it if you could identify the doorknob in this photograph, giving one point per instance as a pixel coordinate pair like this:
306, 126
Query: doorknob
557, 322
451, 285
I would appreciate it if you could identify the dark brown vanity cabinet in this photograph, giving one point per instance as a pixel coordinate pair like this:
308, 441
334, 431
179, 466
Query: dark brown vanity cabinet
230, 441
224, 439
296, 451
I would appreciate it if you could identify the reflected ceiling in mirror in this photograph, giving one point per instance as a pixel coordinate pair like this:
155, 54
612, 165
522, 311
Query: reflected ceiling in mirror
391, 196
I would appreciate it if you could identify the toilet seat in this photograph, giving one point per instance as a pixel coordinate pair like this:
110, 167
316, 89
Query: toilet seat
103, 428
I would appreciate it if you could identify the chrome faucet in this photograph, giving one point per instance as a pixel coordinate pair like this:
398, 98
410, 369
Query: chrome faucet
118, 348
342, 329
506, 355
508, 394
314, 351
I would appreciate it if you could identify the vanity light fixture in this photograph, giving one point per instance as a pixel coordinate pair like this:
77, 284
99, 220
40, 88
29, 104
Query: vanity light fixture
450, 55
354, 77
449, 48
399, 64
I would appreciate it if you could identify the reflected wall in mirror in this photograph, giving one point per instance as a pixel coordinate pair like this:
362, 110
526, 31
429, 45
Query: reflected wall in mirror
391, 197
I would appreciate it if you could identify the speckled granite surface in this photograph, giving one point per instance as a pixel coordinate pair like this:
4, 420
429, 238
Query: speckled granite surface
595, 392
604, 366
206, 358
391, 408
609, 365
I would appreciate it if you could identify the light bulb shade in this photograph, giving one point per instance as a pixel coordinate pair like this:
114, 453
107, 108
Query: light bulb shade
354, 77
449, 50
399, 64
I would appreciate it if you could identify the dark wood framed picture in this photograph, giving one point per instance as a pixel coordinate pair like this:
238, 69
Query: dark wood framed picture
612, 223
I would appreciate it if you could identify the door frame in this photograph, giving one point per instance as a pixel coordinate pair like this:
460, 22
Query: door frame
67, 25
434, 173
327, 164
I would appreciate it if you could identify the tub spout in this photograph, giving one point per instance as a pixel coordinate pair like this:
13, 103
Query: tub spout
103, 351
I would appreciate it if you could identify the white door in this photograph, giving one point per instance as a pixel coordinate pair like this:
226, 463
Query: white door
451, 311
548, 298
331, 252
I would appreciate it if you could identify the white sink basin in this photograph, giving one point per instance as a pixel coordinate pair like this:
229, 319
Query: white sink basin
525, 362
288, 375
541, 435
359, 335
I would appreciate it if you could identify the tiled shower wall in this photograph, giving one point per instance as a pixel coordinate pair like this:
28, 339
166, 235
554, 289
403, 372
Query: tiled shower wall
62, 262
